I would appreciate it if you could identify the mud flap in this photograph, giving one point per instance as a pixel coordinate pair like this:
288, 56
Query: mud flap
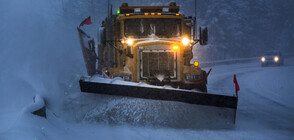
220, 102
88, 48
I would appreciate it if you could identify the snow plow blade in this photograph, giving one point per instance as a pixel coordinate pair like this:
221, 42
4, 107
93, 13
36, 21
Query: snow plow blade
210, 110
159, 93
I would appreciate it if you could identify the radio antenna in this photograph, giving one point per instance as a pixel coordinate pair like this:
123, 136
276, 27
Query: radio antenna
108, 8
195, 32
195, 8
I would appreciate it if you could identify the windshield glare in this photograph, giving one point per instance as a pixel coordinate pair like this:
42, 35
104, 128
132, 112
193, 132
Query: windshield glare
142, 28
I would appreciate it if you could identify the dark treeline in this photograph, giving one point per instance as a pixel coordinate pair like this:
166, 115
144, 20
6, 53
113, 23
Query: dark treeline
239, 28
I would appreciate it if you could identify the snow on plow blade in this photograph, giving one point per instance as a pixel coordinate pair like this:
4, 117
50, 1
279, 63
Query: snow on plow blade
129, 89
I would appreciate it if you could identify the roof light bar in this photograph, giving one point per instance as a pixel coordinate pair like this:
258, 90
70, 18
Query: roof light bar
152, 14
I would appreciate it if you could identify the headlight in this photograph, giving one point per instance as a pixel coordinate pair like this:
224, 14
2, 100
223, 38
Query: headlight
186, 41
262, 59
124, 77
193, 77
130, 41
276, 59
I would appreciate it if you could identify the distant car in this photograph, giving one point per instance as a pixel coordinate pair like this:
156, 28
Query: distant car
272, 58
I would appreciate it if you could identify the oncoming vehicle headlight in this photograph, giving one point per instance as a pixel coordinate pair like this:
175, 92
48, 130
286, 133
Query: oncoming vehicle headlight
193, 77
262, 59
124, 77
186, 41
276, 59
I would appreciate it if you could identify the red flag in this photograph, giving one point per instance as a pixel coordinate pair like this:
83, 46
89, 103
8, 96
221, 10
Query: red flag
86, 21
236, 83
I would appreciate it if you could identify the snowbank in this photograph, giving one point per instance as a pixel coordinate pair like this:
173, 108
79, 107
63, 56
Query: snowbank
37, 105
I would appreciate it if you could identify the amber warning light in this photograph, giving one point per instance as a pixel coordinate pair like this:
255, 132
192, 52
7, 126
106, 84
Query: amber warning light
175, 48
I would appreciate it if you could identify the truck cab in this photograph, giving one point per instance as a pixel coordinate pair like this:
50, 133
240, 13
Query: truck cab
151, 44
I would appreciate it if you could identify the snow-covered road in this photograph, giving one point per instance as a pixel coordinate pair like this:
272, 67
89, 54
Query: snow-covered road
266, 96
265, 111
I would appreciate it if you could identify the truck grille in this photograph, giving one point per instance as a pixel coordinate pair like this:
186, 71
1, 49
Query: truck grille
158, 62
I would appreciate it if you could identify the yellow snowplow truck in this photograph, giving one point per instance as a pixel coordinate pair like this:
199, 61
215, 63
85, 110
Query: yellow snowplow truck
150, 45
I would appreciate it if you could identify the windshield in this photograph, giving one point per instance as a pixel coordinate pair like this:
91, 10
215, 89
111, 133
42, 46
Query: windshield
272, 53
142, 28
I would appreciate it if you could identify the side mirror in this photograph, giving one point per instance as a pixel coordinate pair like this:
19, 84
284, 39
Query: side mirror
203, 36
